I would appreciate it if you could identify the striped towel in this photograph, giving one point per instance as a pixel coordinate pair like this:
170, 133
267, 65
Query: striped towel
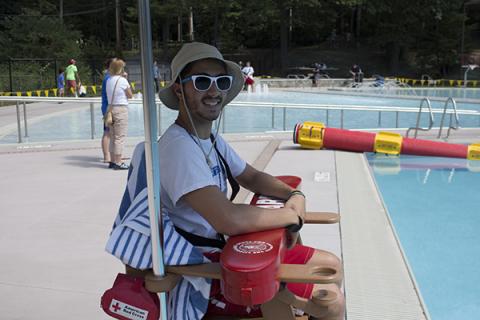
131, 243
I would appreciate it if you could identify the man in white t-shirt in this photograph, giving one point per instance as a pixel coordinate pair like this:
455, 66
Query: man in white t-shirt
248, 71
196, 165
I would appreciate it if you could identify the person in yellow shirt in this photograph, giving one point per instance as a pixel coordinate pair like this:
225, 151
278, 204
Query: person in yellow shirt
72, 77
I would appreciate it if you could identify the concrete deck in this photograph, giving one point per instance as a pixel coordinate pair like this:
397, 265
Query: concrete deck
58, 202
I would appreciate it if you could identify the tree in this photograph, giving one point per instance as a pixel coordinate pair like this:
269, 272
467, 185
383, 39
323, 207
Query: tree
32, 35
431, 29
438, 43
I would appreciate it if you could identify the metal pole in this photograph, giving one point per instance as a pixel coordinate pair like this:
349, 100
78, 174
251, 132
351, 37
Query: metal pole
326, 115
55, 73
190, 25
284, 119
462, 38
396, 119
25, 119
19, 127
92, 121
118, 45
159, 123
341, 119
151, 146
379, 119
61, 12
10, 74
273, 117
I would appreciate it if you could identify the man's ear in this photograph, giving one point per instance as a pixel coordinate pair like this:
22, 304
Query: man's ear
177, 90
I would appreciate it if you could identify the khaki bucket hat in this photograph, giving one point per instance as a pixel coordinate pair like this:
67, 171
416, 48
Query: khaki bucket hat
197, 51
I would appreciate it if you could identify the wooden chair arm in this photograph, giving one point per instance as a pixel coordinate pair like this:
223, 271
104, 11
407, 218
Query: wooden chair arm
210, 270
322, 217
299, 273
286, 273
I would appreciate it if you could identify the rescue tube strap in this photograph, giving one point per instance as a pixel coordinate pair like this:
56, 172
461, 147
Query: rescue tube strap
200, 241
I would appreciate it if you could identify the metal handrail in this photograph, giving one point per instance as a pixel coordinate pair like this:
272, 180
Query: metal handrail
457, 121
417, 126
342, 109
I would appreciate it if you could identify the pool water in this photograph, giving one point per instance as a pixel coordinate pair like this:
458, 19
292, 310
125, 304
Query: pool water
240, 119
434, 206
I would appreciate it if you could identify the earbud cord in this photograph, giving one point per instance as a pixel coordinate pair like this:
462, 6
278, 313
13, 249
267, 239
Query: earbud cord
207, 155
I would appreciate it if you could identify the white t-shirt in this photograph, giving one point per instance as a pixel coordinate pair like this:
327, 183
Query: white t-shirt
120, 97
183, 169
248, 71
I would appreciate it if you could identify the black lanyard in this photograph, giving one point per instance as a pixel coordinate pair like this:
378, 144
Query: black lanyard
233, 183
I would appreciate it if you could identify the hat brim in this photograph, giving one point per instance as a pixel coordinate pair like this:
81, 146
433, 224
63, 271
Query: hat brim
169, 98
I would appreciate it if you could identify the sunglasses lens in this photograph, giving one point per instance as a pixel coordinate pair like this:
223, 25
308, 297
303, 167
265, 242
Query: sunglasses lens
224, 83
202, 83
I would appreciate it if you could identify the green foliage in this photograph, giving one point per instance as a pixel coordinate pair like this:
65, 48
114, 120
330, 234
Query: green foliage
431, 30
32, 35
313, 21
438, 42
427, 32
28, 75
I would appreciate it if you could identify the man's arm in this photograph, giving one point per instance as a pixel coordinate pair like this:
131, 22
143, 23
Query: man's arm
129, 93
263, 183
232, 219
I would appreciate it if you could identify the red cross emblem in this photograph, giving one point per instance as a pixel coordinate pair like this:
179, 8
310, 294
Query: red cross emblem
116, 307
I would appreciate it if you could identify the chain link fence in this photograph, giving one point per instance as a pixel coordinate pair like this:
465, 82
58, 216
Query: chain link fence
22, 75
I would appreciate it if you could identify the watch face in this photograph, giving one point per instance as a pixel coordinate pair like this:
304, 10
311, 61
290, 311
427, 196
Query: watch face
295, 227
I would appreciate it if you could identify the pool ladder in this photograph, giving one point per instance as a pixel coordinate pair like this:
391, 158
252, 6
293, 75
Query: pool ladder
417, 126
453, 115
451, 126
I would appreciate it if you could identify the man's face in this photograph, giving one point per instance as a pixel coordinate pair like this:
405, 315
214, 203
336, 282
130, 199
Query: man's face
206, 105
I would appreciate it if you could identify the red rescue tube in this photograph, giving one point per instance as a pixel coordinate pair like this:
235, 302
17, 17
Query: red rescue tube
433, 148
340, 139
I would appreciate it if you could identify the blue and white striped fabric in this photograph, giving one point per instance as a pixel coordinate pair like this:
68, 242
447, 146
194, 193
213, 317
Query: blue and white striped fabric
130, 242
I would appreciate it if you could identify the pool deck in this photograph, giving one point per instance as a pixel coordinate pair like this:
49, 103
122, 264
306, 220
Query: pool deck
58, 202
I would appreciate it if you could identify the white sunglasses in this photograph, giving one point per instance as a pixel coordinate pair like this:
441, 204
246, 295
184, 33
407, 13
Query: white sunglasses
203, 82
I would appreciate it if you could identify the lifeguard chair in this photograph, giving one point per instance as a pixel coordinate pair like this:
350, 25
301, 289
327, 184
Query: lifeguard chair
250, 269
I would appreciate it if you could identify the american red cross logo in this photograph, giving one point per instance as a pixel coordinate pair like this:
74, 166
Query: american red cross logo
116, 307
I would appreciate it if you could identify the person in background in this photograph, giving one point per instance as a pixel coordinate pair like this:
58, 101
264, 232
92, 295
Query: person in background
72, 77
356, 73
106, 130
61, 82
156, 75
118, 93
248, 72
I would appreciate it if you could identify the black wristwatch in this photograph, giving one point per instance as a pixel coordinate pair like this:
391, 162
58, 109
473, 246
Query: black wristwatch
295, 227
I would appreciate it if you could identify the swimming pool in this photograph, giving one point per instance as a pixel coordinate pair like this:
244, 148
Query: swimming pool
75, 125
456, 93
433, 204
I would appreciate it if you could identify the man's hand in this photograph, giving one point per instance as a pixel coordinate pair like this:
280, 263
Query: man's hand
297, 203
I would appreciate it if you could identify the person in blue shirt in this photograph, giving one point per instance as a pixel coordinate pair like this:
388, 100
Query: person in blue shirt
156, 75
61, 82
106, 130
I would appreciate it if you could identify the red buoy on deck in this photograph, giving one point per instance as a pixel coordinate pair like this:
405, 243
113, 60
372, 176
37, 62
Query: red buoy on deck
433, 148
314, 135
